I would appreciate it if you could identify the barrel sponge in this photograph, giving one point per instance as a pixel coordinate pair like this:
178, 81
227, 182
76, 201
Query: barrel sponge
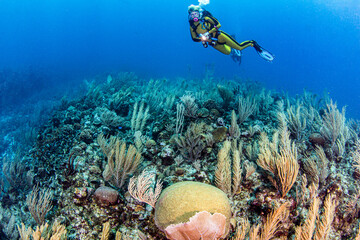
181, 201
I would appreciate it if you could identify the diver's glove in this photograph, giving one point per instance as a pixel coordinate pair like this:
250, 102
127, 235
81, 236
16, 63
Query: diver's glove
204, 39
265, 54
207, 40
204, 36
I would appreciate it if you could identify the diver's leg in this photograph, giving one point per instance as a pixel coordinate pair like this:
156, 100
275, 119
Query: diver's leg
230, 41
223, 48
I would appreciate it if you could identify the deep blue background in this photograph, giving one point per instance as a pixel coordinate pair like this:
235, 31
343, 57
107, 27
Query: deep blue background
316, 42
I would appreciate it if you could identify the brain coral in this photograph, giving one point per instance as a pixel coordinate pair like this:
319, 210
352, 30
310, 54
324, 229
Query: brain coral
181, 201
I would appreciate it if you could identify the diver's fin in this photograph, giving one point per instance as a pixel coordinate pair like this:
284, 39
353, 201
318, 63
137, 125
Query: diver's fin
236, 55
263, 53
237, 52
268, 56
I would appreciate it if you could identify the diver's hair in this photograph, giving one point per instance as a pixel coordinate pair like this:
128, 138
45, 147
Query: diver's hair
193, 7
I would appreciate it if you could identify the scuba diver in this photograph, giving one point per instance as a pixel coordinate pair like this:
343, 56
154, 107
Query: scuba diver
205, 28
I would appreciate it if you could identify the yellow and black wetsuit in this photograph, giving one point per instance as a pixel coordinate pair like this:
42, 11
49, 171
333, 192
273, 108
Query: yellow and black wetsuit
224, 41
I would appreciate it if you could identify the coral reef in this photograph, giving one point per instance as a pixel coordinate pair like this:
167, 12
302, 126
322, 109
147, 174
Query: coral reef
288, 167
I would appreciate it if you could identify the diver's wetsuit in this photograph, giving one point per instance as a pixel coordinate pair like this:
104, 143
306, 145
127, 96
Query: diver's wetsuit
224, 41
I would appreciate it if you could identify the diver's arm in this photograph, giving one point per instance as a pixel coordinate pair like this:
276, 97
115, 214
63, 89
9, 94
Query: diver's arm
194, 35
215, 24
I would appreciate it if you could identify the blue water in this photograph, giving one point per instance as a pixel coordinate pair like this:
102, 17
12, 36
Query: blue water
316, 42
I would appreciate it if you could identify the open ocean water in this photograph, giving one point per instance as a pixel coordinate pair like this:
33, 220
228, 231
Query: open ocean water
316, 43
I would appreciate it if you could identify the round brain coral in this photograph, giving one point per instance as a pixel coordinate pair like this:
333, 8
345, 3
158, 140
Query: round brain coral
182, 201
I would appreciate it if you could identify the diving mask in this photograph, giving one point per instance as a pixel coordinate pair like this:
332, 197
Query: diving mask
195, 16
